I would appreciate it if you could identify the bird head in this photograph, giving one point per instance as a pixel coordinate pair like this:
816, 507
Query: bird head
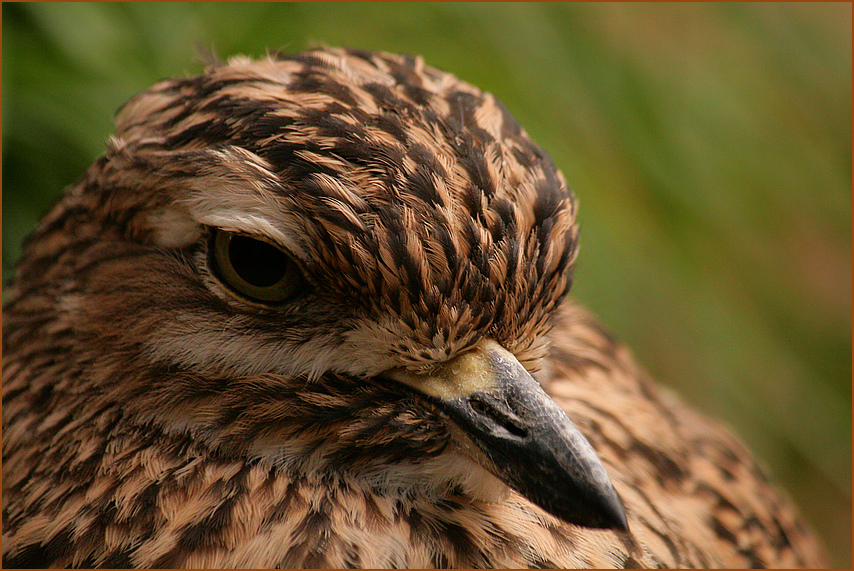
334, 262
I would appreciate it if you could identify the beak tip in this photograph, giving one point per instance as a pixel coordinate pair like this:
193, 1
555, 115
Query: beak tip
609, 509
615, 515
600, 510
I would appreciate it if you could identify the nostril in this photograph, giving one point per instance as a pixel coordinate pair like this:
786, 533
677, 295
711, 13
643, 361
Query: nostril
480, 407
494, 413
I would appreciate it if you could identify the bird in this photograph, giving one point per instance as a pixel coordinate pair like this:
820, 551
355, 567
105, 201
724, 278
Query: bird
311, 310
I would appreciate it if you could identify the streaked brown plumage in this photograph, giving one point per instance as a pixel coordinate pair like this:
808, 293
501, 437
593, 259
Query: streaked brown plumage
166, 403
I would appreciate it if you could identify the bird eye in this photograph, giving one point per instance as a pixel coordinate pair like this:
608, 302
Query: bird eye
254, 268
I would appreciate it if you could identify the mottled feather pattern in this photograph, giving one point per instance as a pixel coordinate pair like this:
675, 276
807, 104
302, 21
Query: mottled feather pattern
152, 418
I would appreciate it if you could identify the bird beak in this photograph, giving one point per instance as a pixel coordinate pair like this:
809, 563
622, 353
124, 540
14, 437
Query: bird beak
526, 438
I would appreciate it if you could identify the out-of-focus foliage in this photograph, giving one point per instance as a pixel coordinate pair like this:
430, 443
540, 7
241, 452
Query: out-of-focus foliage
709, 144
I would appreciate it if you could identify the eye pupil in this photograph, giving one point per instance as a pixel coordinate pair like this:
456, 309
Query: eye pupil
256, 262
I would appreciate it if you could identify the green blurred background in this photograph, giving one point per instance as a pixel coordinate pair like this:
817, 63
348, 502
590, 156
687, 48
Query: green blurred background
709, 145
